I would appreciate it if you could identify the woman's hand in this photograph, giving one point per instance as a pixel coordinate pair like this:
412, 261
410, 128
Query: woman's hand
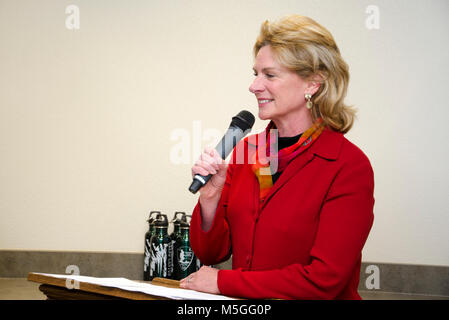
210, 162
204, 280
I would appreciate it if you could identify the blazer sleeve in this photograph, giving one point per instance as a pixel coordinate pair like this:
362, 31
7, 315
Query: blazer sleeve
346, 218
213, 246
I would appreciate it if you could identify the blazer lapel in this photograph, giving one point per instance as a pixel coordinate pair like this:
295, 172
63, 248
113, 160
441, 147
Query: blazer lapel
327, 146
293, 168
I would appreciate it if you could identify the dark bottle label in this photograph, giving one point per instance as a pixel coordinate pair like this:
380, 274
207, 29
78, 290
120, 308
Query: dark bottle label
146, 261
170, 262
161, 261
186, 258
158, 265
185, 262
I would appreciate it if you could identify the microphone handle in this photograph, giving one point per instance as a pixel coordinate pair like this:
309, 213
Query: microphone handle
224, 148
198, 182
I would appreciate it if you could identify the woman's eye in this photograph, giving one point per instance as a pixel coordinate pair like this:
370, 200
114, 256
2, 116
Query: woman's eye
268, 75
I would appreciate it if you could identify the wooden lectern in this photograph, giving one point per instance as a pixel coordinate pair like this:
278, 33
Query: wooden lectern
55, 289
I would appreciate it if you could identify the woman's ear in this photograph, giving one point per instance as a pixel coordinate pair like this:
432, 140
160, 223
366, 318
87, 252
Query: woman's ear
313, 85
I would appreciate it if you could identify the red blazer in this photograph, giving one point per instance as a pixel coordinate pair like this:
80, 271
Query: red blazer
305, 240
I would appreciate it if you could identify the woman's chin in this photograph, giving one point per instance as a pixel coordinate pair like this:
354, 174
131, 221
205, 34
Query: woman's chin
263, 115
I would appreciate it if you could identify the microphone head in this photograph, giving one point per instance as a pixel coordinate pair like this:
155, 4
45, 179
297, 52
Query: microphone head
243, 120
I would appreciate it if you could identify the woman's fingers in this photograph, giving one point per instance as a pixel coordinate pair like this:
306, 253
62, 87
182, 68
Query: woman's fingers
207, 158
187, 282
204, 280
214, 154
203, 168
208, 163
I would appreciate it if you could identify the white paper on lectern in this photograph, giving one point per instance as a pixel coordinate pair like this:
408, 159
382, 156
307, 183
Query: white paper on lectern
148, 288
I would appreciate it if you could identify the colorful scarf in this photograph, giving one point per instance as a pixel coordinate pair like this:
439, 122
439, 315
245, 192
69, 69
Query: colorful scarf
264, 163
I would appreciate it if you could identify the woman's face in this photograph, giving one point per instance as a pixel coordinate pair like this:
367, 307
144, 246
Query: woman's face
279, 91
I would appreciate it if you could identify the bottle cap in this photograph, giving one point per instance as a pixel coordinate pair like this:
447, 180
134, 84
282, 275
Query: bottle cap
161, 220
177, 221
150, 218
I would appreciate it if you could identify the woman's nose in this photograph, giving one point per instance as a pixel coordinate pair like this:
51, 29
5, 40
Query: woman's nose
256, 86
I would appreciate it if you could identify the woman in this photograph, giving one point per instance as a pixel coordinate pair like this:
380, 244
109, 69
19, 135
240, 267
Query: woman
298, 231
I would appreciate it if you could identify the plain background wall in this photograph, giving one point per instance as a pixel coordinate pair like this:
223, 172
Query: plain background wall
90, 118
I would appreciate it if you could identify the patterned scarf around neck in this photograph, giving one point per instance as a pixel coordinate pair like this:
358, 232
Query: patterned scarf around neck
264, 162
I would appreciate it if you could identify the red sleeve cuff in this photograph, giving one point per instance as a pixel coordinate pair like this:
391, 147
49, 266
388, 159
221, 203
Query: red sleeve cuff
225, 281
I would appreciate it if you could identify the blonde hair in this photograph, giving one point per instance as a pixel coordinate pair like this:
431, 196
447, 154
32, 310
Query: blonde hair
304, 46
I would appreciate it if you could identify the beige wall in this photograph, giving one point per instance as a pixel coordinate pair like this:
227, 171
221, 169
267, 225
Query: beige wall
89, 117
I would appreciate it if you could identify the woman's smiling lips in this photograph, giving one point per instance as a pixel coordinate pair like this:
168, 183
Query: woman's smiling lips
262, 101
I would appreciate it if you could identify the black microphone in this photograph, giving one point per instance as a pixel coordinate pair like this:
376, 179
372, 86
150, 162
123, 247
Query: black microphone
240, 125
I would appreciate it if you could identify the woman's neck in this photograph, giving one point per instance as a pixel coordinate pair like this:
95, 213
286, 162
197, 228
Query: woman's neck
294, 124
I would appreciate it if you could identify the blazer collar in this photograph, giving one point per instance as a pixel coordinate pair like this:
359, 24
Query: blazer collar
328, 145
